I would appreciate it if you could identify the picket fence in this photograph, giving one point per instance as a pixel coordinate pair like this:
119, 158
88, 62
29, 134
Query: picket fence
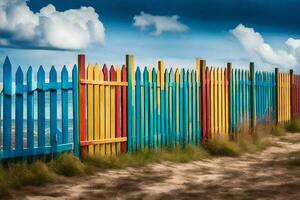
126, 109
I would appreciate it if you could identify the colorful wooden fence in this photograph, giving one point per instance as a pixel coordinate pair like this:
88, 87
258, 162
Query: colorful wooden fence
26, 134
109, 111
103, 109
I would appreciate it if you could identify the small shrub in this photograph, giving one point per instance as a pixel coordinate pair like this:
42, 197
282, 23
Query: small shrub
67, 165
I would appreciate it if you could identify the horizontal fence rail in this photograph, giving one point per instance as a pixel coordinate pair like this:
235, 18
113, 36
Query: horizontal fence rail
101, 111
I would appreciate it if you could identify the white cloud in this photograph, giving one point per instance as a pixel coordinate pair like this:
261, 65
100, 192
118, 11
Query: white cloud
254, 43
159, 23
50, 29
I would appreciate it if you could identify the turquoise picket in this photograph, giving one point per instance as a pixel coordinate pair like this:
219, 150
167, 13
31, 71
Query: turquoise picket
162, 111
147, 110
138, 107
19, 110
185, 109
64, 104
172, 108
181, 106
189, 88
142, 97
75, 111
150, 137
155, 117
177, 107
198, 113
194, 108
41, 107
167, 125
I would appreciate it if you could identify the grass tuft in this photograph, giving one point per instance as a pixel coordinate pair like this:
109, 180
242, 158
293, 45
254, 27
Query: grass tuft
222, 147
293, 126
67, 165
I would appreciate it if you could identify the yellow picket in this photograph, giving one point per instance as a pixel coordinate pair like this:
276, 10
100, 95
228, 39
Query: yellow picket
226, 103
90, 76
102, 114
219, 101
118, 73
96, 109
113, 117
216, 122
107, 119
223, 101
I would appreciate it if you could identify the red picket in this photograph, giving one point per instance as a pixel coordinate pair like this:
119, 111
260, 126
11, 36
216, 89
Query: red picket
82, 107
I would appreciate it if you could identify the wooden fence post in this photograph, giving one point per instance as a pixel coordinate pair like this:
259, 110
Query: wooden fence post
203, 98
292, 93
82, 105
276, 95
130, 101
253, 103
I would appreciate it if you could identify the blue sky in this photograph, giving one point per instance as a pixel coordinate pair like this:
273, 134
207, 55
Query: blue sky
266, 32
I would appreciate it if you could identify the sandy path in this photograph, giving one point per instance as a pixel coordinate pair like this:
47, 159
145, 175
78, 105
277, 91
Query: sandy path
262, 175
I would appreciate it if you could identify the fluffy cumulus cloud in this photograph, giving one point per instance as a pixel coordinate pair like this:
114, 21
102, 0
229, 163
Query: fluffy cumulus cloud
72, 29
159, 23
254, 43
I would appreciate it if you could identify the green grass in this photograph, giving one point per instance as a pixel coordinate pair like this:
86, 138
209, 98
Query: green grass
293, 126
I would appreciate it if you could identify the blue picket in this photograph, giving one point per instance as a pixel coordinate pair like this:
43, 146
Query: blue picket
19, 110
64, 104
30, 110
53, 110
41, 107
7, 92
